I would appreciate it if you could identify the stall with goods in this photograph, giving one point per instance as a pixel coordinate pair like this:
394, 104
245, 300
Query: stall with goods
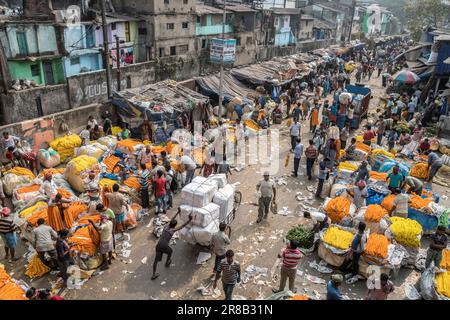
428, 213
378, 157
375, 217
48, 158
166, 105
419, 170
78, 169
335, 244
65, 146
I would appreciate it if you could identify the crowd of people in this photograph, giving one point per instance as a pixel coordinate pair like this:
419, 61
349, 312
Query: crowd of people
315, 102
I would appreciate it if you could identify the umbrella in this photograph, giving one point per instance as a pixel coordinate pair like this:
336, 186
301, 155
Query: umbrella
406, 76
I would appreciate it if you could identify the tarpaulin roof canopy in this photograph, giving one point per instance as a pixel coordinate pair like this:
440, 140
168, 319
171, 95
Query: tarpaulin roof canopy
232, 87
273, 73
165, 97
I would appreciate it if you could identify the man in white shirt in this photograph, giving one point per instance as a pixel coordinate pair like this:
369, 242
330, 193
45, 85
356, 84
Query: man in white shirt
48, 187
85, 135
295, 133
92, 122
319, 219
190, 166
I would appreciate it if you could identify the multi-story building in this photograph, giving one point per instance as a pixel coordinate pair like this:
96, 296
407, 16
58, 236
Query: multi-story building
32, 51
171, 25
333, 17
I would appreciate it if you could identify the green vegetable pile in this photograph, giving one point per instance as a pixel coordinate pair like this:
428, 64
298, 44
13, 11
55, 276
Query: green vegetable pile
302, 235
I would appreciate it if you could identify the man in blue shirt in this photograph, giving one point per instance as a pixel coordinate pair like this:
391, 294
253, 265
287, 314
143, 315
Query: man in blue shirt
357, 248
333, 292
298, 151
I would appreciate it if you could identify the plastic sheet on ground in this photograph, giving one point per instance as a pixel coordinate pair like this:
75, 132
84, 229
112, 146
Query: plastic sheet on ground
321, 266
253, 272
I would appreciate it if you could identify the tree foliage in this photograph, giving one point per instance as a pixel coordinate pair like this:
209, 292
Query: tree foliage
422, 13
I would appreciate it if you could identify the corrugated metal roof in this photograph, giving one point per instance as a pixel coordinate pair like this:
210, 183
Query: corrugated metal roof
286, 11
203, 9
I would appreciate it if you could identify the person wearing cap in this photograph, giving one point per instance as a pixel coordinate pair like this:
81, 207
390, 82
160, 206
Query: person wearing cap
48, 187
359, 194
333, 292
8, 234
268, 194
395, 179
105, 228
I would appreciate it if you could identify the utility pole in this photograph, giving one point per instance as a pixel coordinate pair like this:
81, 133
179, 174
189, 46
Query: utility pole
118, 61
106, 49
351, 20
224, 20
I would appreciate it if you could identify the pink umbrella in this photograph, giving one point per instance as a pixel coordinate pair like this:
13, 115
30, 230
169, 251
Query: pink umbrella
406, 76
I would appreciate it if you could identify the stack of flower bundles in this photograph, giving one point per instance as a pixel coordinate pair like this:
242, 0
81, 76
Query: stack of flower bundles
16, 177
406, 231
419, 170
129, 146
77, 170
9, 289
86, 239
338, 238
347, 166
374, 213
338, 208
65, 146
377, 247
376, 152
445, 262
110, 162
95, 150
26, 193
388, 203
27, 212
419, 203
443, 283
36, 268
108, 141
378, 176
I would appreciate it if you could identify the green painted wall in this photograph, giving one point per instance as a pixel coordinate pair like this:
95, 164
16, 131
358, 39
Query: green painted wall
22, 70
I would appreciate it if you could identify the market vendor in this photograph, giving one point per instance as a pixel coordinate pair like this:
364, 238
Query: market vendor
92, 187
350, 151
320, 220
359, 194
400, 204
105, 228
438, 243
414, 185
357, 248
395, 179
145, 155
434, 164
362, 174
48, 187
424, 146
